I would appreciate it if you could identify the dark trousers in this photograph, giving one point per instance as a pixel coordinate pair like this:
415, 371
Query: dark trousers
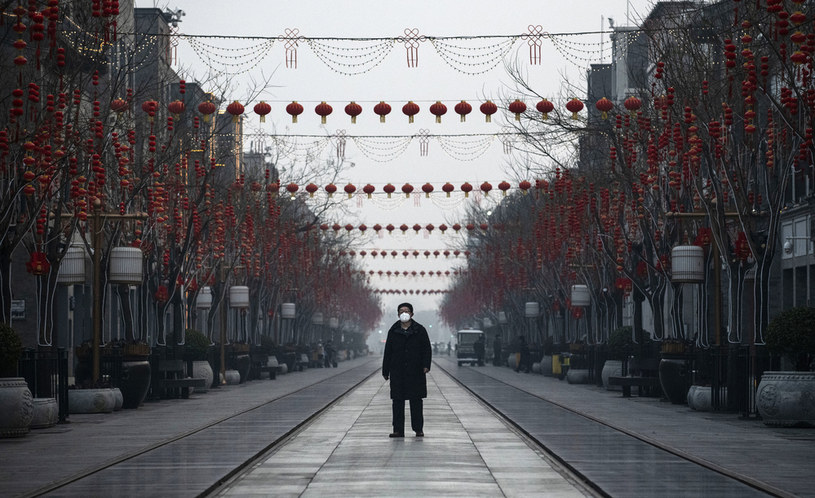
416, 417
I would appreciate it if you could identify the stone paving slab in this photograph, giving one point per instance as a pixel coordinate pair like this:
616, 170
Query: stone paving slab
92, 440
466, 451
783, 458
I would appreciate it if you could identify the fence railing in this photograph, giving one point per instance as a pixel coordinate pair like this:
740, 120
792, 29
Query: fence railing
46, 373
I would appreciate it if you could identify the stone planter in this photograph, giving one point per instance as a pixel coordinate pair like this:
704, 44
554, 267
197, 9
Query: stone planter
283, 369
118, 399
201, 369
16, 407
577, 376
135, 382
91, 401
512, 361
46, 413
674, 380
232, 377
546, 366
787, 399
700, 398
536, 368
611, 368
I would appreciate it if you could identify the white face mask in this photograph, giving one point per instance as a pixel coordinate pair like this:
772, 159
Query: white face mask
404, 317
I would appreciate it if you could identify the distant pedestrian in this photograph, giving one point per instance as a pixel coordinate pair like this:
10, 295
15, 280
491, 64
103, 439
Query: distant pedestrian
448, 348
524, 360
406, 363
496, 351
478, 347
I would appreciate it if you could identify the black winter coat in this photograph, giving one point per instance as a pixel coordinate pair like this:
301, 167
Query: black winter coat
407, 354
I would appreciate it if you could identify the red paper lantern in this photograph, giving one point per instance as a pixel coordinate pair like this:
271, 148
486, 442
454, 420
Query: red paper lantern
466, 188
456, 227
292, 188
389, 189
410, 109
447, 188
503, 187
349, 227
545, 107
323, 110
382, 109
330, 188
207, 109
427, 188
488, 108
517, 107
574, 106
407, 189
311, 189
294, 109
429, 227
604, 106
462, 109
524, 186
353, 109
369, 189
633, 104
417, 228
38, 265
438, 109
262, 109
150, 107
486, 187
350, 189
176, 107
404, 228
235, 109
118, 105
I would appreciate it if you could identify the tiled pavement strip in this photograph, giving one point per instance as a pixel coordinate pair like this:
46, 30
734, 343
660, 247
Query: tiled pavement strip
467, 451
783, 458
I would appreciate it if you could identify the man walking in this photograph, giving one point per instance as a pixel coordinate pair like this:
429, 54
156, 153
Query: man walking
406, 362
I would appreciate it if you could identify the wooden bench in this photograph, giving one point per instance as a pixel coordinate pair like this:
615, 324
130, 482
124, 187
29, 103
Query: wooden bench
634, 381
172, 381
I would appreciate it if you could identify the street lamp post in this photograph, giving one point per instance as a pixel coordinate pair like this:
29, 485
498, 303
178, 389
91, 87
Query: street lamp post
717, 306
98, 219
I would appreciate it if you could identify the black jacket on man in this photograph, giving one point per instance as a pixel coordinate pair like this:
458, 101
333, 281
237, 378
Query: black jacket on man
407, 354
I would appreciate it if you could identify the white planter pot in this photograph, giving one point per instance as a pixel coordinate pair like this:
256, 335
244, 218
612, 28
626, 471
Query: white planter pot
536, 368
91, 401
283, 369
16, 407
118, 399
787, 399
233, 377
577, 376
46, 413
611, 368
546, 366
512, 361
202, 369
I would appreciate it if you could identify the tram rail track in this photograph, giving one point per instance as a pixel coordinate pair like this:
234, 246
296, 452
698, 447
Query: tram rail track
535, 435
313, 395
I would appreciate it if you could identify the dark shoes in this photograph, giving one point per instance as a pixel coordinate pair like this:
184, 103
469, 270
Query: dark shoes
420, 434
396, 434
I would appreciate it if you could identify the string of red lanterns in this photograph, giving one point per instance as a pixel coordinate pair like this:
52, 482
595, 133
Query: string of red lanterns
369, 190
382, 109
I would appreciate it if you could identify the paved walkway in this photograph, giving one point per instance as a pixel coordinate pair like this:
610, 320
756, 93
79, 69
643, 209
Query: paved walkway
783, 459
346, 451
466, 451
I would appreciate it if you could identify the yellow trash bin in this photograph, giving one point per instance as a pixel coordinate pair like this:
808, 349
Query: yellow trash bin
556, 364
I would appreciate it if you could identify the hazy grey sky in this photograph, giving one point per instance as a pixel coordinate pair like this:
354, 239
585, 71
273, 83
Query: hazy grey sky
392, 81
